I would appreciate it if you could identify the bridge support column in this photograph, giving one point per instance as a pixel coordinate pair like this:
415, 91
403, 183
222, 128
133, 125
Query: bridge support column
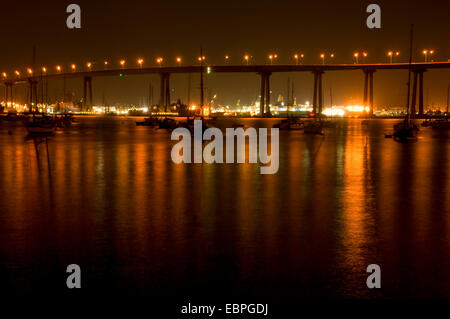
263, 93
264, 106
8, 89
87, 96
167, 86
164, 91
371, 93
366, 87
318, 94
267, 86
368, 90
421, 92
414, 96
33, 98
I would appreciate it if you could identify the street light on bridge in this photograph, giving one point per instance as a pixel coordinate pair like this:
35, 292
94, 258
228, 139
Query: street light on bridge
159, 61
58, 68
122, 63
4, 75
322, 56
17, 73
272, 57
140, 61
89, 65
426, 52
246, 58
74, 67
29, 71
356, 55
227, 57
364, 54
390, 54
179, 61
44, 69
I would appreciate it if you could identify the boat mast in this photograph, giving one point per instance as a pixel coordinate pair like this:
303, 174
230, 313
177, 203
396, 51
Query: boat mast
448, 96
201, 81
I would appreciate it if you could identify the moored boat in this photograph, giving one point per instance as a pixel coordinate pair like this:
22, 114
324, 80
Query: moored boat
405, 132
43, 125
290, 124
313, 127
442, 124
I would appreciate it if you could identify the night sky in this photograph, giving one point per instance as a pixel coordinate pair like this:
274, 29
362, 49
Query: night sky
112, 30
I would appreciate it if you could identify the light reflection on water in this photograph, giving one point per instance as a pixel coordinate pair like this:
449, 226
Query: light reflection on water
109, 198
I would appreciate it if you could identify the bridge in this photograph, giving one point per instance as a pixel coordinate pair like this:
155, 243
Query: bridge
265, 71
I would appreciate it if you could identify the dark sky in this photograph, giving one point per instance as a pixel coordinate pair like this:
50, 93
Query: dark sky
130, 29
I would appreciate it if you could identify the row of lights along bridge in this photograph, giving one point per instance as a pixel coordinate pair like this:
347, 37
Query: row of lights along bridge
272, 58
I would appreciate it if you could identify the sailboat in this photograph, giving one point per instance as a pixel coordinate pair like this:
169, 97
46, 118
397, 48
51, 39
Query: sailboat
406, 131
313, 127
43, 125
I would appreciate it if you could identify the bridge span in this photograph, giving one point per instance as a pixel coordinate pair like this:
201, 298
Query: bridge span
265, 71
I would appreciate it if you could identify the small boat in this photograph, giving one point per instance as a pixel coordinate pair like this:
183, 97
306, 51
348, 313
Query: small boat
167, 123
12, 116
189, 124
441, 124
290, 124
426, 123
64, 121
405, 132
41, 126
313, 127
149, 121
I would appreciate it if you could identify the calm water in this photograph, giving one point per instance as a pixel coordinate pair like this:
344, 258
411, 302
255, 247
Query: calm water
106, 196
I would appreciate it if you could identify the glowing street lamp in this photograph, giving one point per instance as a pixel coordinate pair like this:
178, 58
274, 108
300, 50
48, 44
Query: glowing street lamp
201, 59
322, 56
159, 61
17, 73
364, 54
74, 67
390, 54
356, 55
179, 61
4, 75
425, 53
122, 63
44, 69
58, 68
246, 58
271, 58
29, 71
140, 62
431, 53
296, 59
227, 57
89, 65
332, 55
